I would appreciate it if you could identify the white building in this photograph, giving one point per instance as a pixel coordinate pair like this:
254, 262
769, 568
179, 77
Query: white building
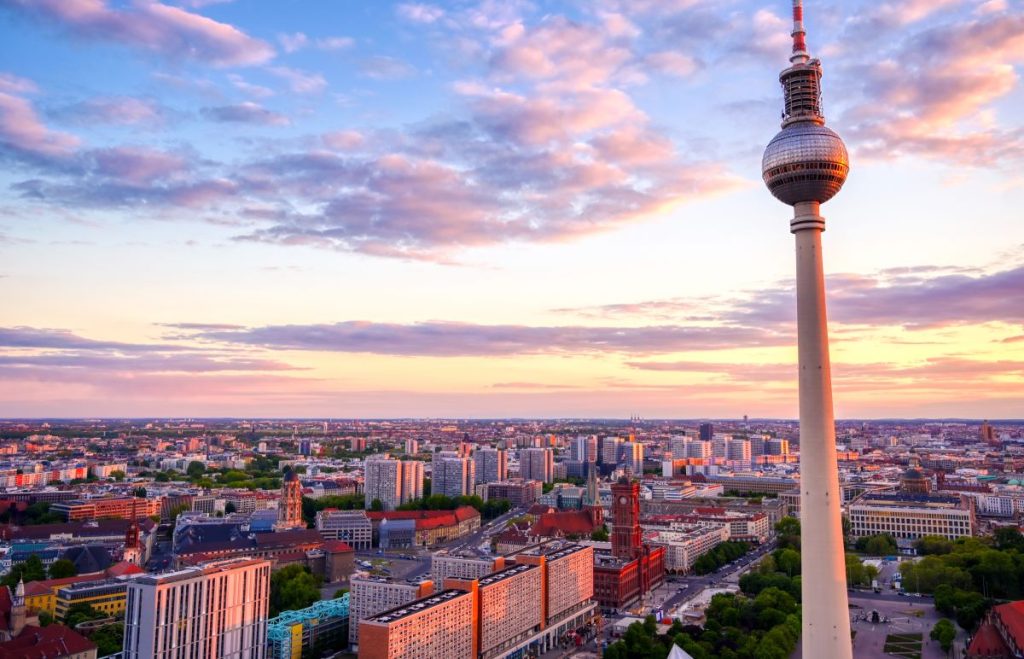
351, 526
684, 546
217, 609
383, 482
537, 464
909, 517
491, 465
369, 596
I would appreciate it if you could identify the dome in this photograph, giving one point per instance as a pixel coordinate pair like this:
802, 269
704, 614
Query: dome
805, 162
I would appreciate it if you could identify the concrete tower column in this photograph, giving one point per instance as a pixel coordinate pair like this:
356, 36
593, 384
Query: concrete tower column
826, 617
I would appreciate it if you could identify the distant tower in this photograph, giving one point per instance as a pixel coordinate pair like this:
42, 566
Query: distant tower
626, 536
592, 501
804, 166
132, 544
289, 515
19, 612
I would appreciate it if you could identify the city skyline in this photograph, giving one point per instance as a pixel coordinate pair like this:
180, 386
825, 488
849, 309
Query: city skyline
216, 209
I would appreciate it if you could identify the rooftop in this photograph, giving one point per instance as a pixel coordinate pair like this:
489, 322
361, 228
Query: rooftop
416, 606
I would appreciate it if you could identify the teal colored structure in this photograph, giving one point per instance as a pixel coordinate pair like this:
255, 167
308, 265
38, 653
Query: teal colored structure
323, 626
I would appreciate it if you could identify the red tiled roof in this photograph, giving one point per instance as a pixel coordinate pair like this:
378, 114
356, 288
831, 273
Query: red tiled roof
1012, 615
123, 568
337, 547
428, 519
987, 643
48, 642
571, 522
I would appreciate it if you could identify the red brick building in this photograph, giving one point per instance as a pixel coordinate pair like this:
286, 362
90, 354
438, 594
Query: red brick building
632, 569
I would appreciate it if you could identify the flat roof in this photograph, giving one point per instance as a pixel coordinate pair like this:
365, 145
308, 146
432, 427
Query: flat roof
507, 573
187, 573
416, 606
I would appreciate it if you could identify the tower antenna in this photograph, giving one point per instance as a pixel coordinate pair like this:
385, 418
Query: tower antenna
799, 55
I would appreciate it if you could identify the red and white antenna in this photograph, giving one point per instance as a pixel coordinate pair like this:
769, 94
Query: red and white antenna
799, 55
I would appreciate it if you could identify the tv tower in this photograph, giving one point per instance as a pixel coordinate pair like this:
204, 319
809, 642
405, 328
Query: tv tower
804, 166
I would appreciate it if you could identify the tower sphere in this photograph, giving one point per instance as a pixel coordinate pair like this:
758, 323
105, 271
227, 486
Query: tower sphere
805, 162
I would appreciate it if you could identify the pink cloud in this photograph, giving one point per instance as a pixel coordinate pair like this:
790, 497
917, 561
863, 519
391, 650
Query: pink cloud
138, 165
164, 29
300, 82
122, 110
12, 84
416, 12
21, 129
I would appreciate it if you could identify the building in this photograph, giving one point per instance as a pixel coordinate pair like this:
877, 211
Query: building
746, 483
369, 596
54, 641
632, 569
537, 464
412, 480
519, 492
307, 632
1001, 633
706, 432
214, 610
610, 450
383, 482
441, 625
106, 508
350, 526
463, 567
428, 527
583, 448
412, 447
453, 476
684, 546
107, 596
911, 516
491, 465
632, 457
738, 450
525, 609
41, 596
289, 511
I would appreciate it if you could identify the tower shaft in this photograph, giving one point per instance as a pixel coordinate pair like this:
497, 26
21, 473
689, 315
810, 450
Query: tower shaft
826, 622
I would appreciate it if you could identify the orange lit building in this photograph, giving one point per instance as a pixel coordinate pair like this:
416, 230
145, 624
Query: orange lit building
107, 508
441, 625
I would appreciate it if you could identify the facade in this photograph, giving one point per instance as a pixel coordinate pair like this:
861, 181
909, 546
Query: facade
491, 465
507, 601
307, 632
1001, 633
383, 482
106, 508
633, 457
684, 546
289, 511
455, 476
519, 492
909, 516
537, 464
583, 448
632, 569
350, 526
369, 596
107, 596
429, 527
441, 625
412, 480
214, 610
610, 450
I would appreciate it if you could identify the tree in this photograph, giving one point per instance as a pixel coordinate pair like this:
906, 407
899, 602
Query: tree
118, 475
944, 632
195, 469
109, 640
788, 561
293, 587
229, 508
934, 544
62, 569
600, 534
45, 618
139, 492
788, 531
30, 570
177, 510
81, 612
377, 506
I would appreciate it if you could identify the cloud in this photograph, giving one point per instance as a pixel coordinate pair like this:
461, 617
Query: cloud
60, 339
298, 40
169, 31
914, 298
419, 13
246, 87
12, 84
137, 165
382, 67
23, 132
300, 82
117, 110
451, 339
245, 113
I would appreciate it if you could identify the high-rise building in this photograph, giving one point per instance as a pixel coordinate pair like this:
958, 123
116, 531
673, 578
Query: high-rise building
412, 480
633, 568
738, 449
707, 432
491, 465
633, 457
537, 464
350, 526
369, 596
804, 166
412, 447
987, 433
699, 449
383, 482
610, 450
453, 476
441, 625
216, 609
583, 448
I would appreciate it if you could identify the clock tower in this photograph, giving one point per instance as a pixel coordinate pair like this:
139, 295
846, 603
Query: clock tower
626, 537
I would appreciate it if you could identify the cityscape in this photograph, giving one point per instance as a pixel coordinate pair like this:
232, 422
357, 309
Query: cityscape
470, 330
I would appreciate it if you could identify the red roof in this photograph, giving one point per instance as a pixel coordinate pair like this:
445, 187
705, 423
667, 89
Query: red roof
1012, 615
48, 642
987, 643
337, 547
123, 568
428, 519
571, 522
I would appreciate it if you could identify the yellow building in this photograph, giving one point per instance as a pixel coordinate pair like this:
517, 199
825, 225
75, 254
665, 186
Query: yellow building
108, 596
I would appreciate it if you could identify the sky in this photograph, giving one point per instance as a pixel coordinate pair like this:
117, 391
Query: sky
484, 208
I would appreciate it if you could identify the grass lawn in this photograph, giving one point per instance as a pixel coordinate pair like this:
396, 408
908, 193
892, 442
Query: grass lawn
903, 645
